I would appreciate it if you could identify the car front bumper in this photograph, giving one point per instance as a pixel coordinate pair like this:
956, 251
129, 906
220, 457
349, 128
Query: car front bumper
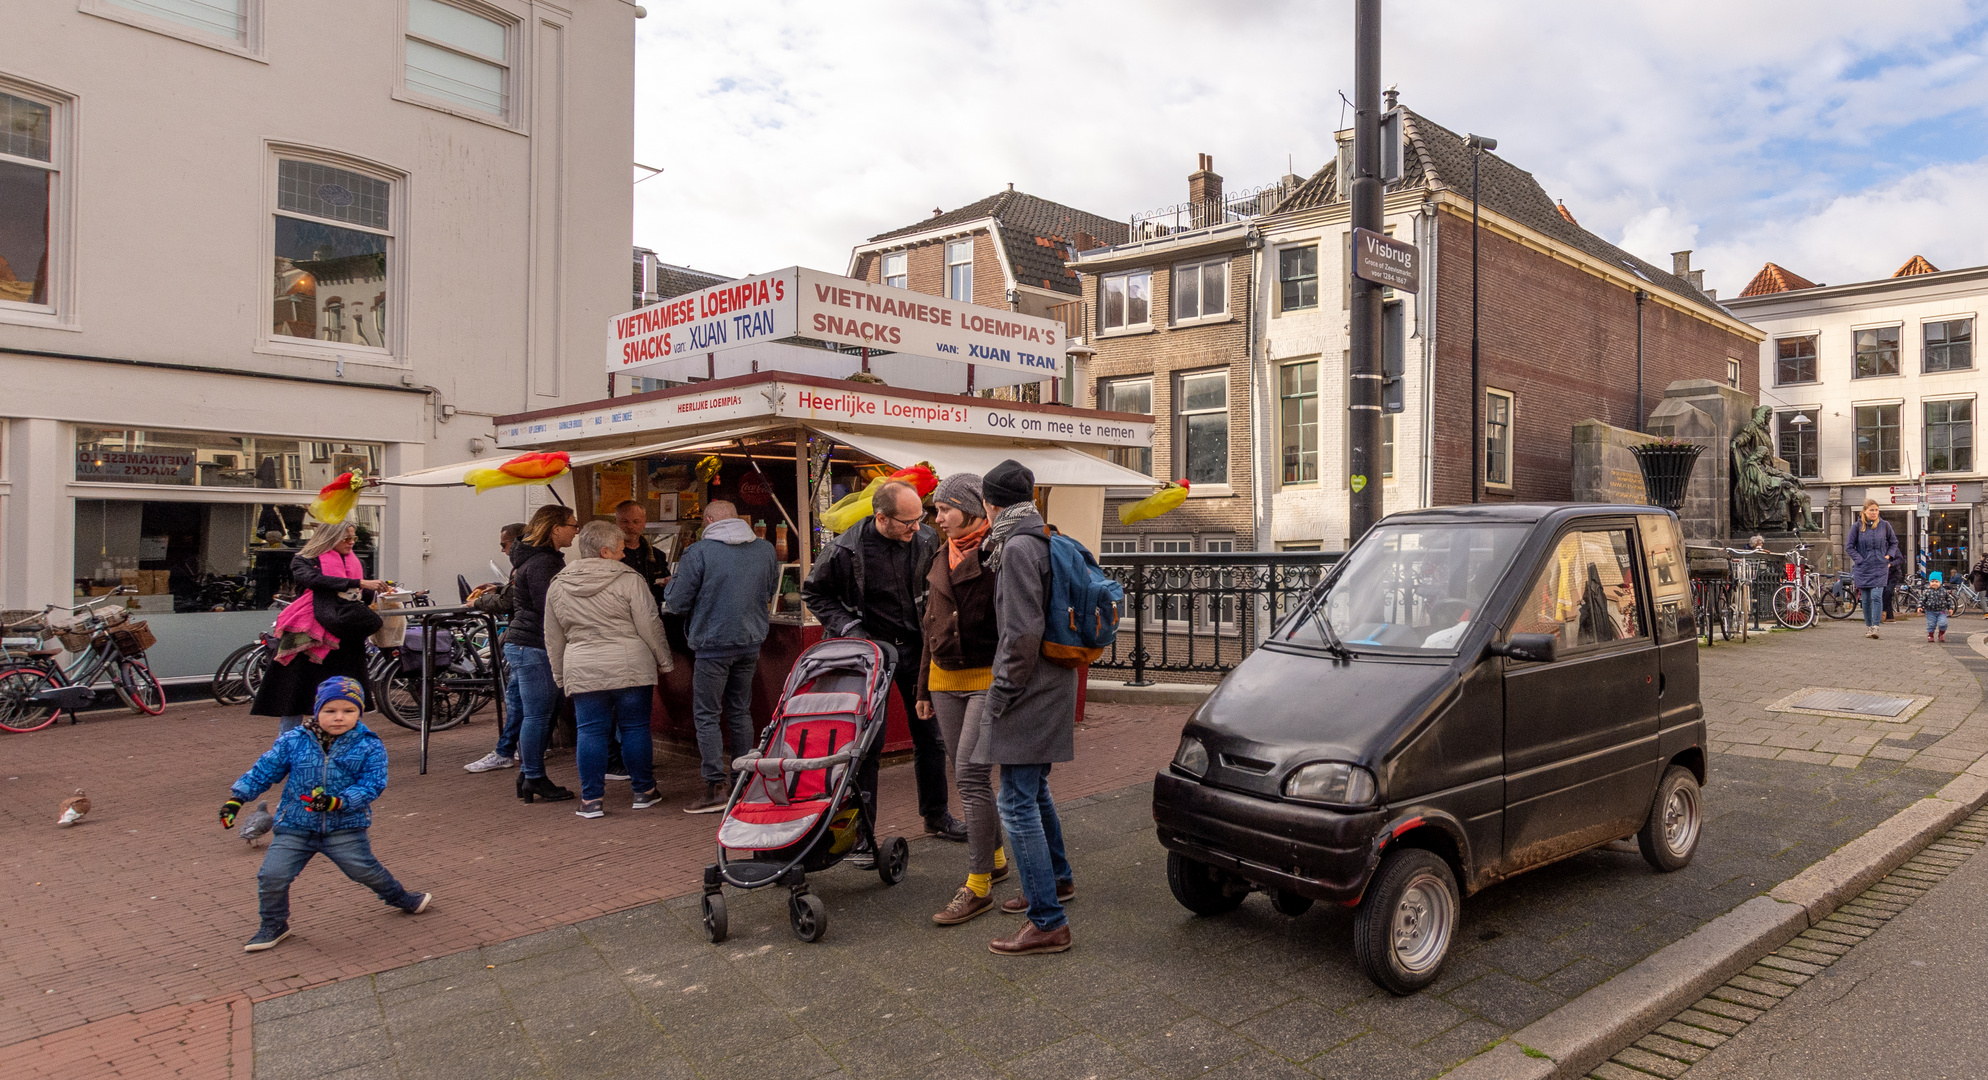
1309, 850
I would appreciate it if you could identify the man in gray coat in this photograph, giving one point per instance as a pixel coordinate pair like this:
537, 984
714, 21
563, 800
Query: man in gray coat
1031, 711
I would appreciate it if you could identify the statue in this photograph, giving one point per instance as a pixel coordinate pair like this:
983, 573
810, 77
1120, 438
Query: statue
1765, 494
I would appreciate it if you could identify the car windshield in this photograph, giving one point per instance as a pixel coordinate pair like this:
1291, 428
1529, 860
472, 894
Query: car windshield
1411, 588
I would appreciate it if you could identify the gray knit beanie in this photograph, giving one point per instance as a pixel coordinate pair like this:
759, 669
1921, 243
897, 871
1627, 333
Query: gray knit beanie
961, 491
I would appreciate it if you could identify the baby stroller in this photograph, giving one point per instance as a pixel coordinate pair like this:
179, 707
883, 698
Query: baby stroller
795, 805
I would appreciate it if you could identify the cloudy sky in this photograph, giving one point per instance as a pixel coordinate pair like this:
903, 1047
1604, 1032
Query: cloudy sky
1835, 138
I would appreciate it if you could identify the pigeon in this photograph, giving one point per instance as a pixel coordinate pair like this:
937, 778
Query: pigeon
256, 823
73, 809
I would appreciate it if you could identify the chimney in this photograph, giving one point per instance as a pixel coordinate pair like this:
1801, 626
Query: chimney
1698, 280
1204, 193
1680, 263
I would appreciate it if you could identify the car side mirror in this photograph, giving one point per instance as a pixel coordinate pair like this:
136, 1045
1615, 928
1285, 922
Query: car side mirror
1533, 648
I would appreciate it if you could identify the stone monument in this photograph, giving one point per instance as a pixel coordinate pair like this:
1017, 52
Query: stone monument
1604, 469
1707, 413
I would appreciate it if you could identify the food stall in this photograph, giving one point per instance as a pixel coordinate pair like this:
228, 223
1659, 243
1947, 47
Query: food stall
784, 443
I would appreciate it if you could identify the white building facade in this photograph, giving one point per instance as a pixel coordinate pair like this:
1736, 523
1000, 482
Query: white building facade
403, 217
1886, 377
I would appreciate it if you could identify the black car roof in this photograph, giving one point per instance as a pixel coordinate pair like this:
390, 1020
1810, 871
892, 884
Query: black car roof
1521, 512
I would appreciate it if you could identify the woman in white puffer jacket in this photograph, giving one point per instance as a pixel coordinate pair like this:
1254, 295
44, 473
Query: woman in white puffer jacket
606, 645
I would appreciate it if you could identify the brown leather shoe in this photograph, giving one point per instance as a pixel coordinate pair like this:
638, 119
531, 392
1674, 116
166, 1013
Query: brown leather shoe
1001, 872
1030, 940
1019, 905
965, 906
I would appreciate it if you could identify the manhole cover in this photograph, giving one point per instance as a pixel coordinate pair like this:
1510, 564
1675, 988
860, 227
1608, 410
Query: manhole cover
1845, 701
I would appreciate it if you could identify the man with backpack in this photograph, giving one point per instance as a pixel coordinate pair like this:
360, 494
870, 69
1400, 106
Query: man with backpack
1030, 712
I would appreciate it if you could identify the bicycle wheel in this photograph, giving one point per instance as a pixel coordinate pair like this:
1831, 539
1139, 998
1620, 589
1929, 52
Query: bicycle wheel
398, 696
231, 678
1794, 608
139, 688
18, 710
1837, 602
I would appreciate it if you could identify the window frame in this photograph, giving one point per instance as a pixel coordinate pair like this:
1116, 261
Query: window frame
58, 309
1284, 401
1219, 613
1580, 649
1104, 313
516, 63
946, 253
248, 44
1283, 307
904, 267
1814, 358
393, 353
1897, 349
1202, 315
1810, 433
1511, 400
1104, 391
1925, 349
1926, 432
1161, 606
1856, 437
1180, 413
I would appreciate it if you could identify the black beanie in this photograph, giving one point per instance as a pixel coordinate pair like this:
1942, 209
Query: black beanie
1008, 483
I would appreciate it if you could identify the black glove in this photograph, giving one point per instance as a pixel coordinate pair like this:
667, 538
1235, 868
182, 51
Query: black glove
319, 802
228, 811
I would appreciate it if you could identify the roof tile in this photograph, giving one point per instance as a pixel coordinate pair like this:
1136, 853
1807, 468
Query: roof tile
1776, 279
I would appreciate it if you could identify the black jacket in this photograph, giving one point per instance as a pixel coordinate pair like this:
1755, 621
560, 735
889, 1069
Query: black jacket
835, 587
532, 569
648, 560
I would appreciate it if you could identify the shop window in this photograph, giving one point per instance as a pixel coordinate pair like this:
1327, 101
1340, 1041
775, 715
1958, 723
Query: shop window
206, 459
1129, 396
1877, 439
459, 55
180, 557
1201, 424
33, 193
1794, 360
1498, 409
895, 274
1127, 303
1950, 436
959, 271
1200, 290
334, 244
1298, 400
1877, 352
1297, 278
1797, 442
1949, 345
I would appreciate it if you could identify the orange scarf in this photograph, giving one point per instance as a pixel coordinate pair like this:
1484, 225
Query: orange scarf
957, 547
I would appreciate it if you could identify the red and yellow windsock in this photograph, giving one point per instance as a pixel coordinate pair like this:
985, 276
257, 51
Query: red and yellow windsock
920, 476
336, 499
1152, 506
531, 468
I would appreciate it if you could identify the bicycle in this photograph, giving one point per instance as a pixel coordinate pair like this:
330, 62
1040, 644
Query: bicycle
240, 675
463, 676
1715, 600
105, 646
1796, 601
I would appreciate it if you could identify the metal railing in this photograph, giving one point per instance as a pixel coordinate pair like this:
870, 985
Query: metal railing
1232, 206
1201, 613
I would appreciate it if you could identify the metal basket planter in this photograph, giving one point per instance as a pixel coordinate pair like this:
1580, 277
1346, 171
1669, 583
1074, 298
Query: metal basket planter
1666, 471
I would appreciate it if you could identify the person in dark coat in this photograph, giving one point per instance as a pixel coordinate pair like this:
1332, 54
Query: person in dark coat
870, 583
535, 559
325, 566
638, 552
1872, 550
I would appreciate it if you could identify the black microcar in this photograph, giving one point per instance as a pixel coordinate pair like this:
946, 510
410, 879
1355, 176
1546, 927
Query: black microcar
1470, 693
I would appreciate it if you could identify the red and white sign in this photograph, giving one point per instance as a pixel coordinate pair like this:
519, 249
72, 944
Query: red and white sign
152, 465
1935, 493
718, 318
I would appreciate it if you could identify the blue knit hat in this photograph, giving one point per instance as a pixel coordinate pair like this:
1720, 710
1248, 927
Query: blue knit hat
1935, 576
339, 688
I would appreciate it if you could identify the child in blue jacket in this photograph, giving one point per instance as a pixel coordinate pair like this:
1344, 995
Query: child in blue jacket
336, 768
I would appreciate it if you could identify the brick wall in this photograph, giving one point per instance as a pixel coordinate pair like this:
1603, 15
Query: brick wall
1563, 341
1163, 353
925, 269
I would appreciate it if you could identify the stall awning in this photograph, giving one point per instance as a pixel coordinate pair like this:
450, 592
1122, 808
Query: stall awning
452, 475
1053, 466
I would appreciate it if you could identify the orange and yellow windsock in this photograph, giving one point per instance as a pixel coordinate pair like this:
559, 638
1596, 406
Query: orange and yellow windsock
531, 468
1152, 506
919, 476
336, 499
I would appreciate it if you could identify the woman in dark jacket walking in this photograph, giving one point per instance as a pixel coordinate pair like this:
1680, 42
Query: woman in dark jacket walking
960, 635
535, 559
1872, 548
326, 570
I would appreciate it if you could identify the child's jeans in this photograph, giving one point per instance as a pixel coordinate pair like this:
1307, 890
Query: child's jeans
1936, 622
348, 849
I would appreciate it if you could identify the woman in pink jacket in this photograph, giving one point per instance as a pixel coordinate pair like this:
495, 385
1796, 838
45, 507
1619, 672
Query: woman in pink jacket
307, 652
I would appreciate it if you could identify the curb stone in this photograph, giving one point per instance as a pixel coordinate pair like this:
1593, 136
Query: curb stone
1585, 1033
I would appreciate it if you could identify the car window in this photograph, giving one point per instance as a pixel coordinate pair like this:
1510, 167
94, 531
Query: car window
1586, 592
1414, 588
1670, 586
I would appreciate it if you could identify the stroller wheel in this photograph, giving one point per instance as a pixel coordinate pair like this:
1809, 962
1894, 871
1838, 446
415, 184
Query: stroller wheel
714, 917
808, 915
893, 858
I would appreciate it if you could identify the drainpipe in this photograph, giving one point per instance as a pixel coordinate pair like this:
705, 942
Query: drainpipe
1642, 297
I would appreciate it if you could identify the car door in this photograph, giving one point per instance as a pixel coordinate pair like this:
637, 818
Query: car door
1581, 732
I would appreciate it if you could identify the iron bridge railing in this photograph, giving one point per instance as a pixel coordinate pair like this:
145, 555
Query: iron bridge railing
1203, 612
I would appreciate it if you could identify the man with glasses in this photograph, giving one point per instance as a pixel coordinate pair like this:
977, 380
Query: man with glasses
870, 583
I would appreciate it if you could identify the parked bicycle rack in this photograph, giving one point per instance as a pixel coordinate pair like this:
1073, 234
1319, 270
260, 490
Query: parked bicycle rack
428, 617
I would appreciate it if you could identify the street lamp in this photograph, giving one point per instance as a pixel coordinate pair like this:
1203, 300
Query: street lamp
1478, 144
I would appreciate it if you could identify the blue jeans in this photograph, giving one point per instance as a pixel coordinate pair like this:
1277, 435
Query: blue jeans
1873, 606
721, 704
601, 716
1035, 839
531, 693
1936, 622
348, 849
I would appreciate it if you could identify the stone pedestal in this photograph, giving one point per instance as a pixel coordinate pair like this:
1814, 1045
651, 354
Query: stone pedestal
1707, 413
1604, 469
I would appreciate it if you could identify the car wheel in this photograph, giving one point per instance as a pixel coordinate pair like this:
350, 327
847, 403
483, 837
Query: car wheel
1201, 888
1670, 837
1401, 935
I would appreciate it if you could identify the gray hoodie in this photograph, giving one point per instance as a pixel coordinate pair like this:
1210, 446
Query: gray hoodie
601, 628
725, 584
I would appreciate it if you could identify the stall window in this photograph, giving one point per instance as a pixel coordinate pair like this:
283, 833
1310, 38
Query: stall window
1586, 592
207, 459
1201, 406
1794, 360
1798, 442
1297, 277
1498, 438
1127, 302
1877, 439
895, 273
459, 55
959, 270
1298, 398
33, 191
1950, 436
1200, 290
1949, 345
1129, 396
334, 243
1877, 352
185, 557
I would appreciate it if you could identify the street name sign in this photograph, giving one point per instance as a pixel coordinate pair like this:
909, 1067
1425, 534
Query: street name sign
1383, 260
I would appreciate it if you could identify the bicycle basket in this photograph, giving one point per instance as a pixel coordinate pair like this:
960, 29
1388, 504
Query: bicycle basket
132, 639
76, 640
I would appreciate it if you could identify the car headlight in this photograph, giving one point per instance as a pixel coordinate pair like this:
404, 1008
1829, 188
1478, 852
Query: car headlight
1334, 783
1192, 757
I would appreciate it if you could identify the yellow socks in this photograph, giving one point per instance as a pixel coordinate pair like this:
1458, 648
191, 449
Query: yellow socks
1000, 857
981, 884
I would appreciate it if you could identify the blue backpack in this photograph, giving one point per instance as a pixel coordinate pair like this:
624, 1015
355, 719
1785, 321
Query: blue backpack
1082, 620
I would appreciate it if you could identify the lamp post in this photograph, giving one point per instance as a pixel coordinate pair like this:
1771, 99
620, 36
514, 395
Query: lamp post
1478, 144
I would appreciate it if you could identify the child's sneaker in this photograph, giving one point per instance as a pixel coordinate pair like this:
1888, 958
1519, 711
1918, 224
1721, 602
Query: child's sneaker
1943, 637
420, 905
1929, 635
266, 938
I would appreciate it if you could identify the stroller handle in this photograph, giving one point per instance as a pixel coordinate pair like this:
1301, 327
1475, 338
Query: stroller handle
762, 765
